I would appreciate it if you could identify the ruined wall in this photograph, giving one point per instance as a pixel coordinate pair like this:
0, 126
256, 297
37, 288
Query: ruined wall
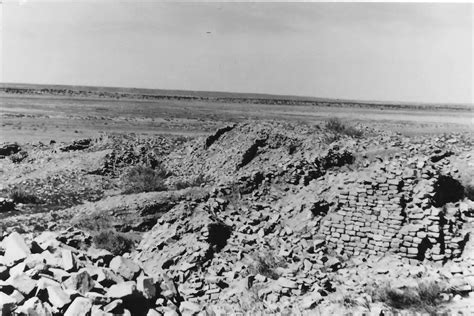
392, 209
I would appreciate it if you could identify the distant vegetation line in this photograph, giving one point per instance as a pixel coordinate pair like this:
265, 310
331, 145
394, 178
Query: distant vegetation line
180, 95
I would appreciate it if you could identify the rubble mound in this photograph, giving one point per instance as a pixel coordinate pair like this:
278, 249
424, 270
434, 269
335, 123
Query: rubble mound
52, 274
132, 151
296, 221
242, 150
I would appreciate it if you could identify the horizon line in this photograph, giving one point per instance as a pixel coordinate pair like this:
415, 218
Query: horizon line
263, 94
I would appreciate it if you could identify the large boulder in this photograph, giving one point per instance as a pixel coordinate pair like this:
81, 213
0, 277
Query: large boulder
15, 248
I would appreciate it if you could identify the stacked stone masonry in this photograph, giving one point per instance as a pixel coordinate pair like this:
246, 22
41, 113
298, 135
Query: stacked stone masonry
391, 210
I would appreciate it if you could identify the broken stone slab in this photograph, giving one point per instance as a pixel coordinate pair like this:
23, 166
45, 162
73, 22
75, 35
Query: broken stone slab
80, 281
96, 311
107, 277
47, 241
7, 304
98, 298
44, 282
113, 306
57, 297
124, 267
34, 306
286, 283
59, 274
68, 260
153, 312
188, 307
146, 286
99, 254
80, 306
17, 296
310, 300
15, 249
22, 283
17, 269
122, 290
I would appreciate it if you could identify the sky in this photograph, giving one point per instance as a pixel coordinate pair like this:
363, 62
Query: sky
409, 52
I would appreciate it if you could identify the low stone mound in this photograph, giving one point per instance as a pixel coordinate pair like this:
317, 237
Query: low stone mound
243, 149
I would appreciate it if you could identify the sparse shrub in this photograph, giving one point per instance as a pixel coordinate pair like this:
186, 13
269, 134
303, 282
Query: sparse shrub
93, 222
338, 127
266, 264
331, 138
19, 195
348, 301
116, 243
425, 296
144, 179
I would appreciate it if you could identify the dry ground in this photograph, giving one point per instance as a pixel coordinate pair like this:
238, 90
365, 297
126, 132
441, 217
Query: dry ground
26, 118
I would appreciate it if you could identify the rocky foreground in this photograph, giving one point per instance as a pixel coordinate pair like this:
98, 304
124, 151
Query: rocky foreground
258, 217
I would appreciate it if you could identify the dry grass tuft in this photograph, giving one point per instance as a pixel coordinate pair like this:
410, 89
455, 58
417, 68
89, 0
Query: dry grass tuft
19, 195
116, 243
139, 178
336, 126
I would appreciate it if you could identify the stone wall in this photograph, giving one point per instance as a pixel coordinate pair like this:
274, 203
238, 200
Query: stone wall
390, 209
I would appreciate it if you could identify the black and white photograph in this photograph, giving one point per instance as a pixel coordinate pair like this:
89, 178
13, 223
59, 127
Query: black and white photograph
236, 158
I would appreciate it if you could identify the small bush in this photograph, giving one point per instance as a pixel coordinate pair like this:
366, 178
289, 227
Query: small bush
19, 195
426, 296
144, 179
338, 127
266, 264
116, 243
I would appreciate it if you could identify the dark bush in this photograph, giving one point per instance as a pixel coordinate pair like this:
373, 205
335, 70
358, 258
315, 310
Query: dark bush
19, 195
144, 179
266, 264
116, 243
426, 296
338, 127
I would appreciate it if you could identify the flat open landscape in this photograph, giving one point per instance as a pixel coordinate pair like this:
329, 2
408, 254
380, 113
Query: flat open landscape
30, 117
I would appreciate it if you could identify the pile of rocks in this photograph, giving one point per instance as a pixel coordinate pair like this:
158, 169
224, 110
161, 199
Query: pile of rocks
49, 277
133, 150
